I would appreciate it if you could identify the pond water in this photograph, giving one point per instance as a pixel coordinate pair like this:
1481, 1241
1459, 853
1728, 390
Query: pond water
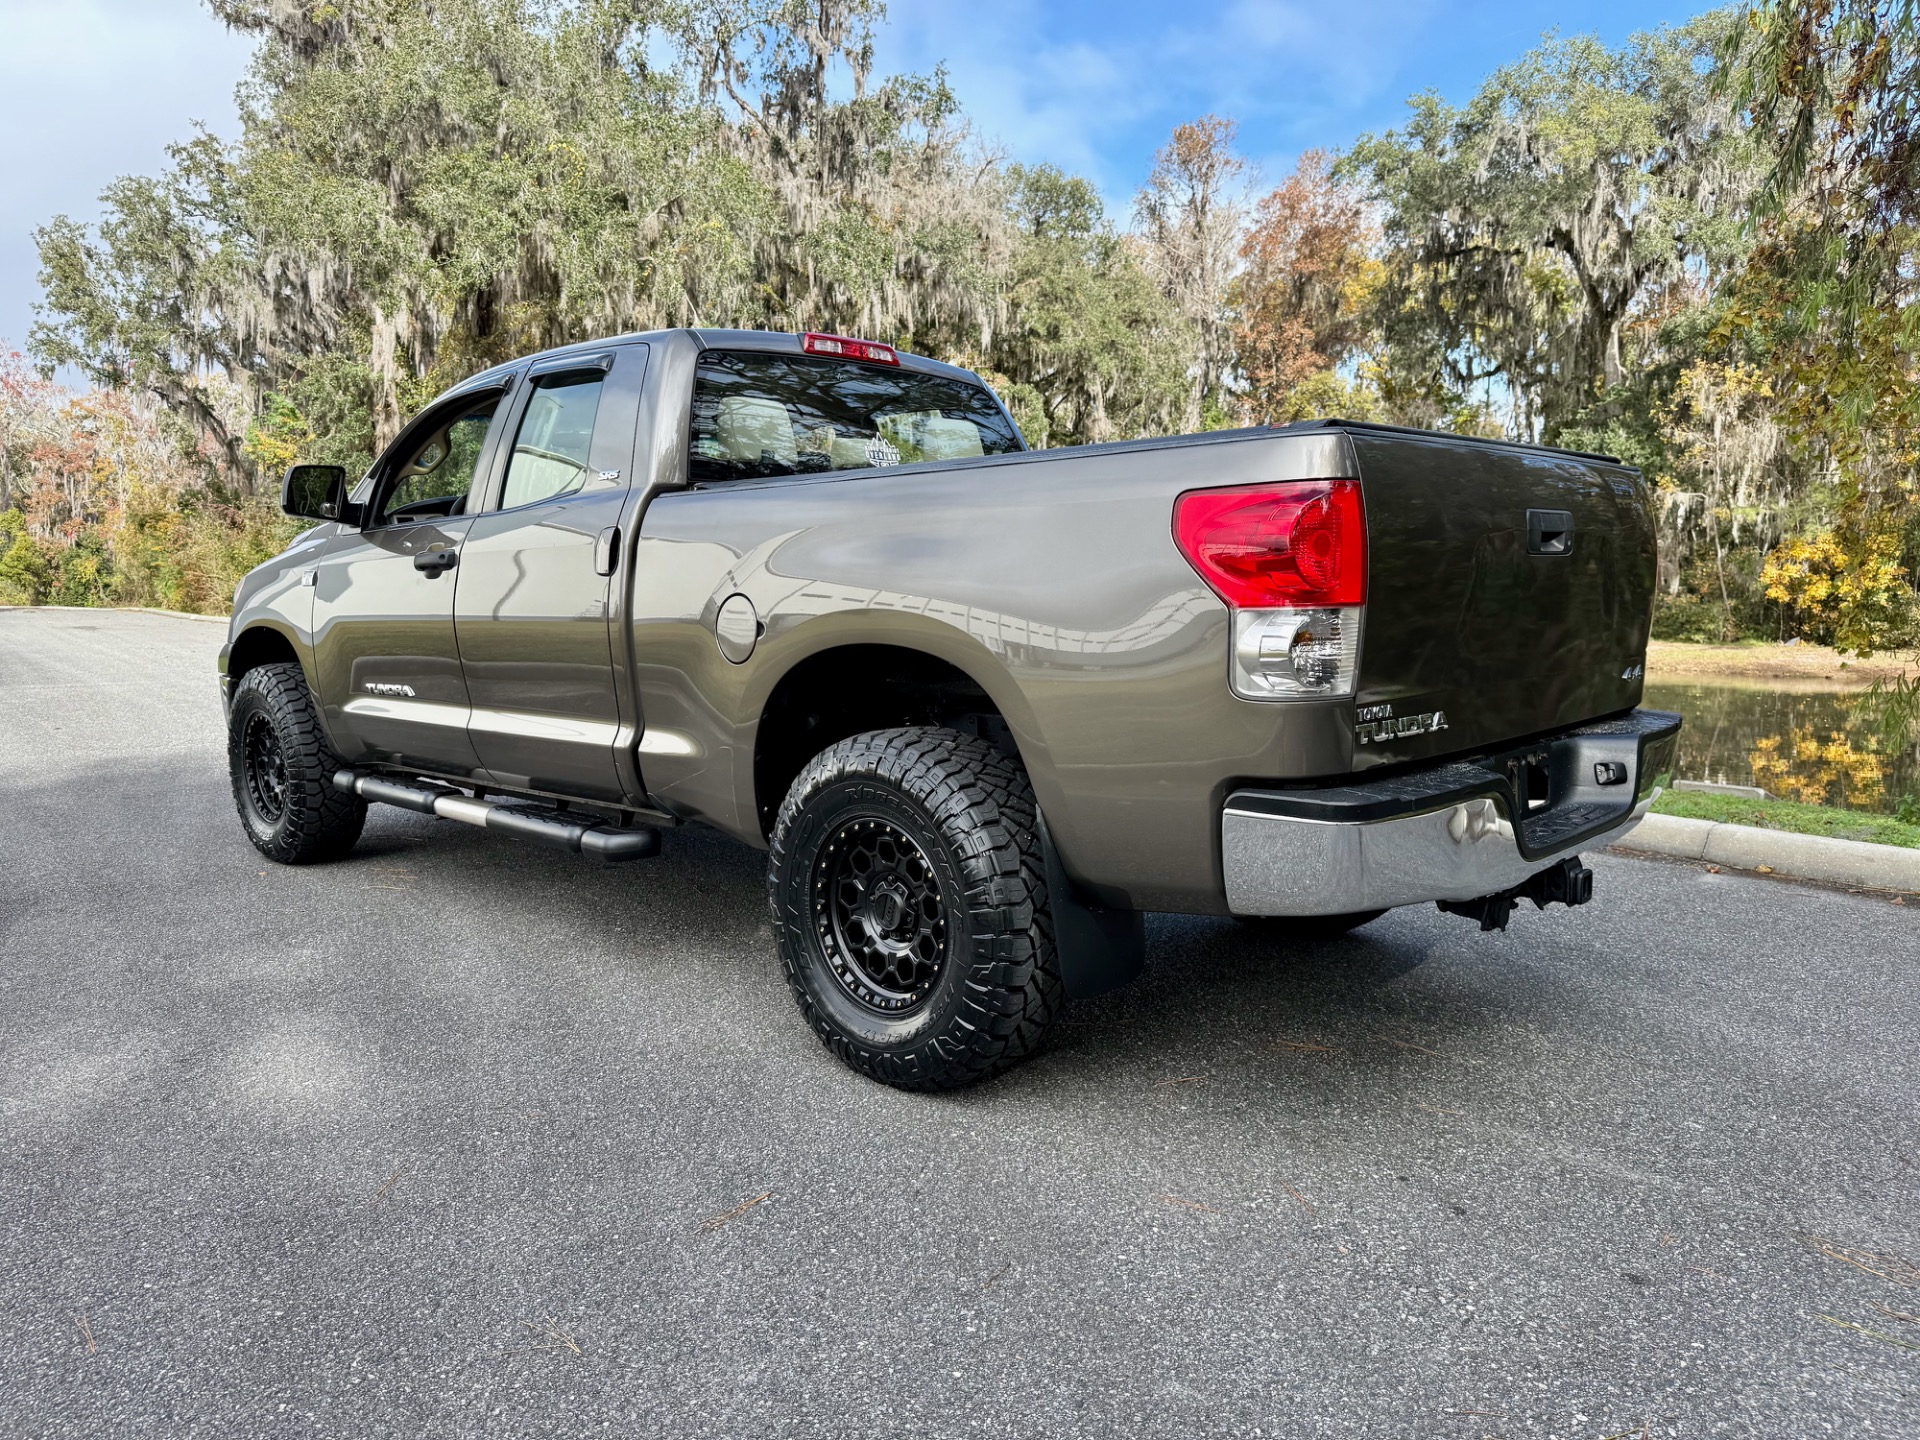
1817, 746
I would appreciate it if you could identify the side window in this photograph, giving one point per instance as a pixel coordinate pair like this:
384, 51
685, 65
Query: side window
556, 435
758, 414
433, 481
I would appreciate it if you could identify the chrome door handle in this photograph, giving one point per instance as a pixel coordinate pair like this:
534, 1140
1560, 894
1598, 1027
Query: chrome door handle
606, 551
435, 562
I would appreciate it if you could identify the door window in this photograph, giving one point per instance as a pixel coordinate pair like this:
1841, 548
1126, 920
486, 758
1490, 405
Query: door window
556, 435
433, 481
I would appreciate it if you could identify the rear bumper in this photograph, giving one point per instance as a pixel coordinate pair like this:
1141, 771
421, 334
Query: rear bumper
1446, 833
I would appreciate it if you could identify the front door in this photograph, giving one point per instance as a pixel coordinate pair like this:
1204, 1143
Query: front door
531, 605
384, 641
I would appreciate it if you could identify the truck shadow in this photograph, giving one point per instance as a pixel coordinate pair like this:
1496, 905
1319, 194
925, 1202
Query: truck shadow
1213, 995
1213, 992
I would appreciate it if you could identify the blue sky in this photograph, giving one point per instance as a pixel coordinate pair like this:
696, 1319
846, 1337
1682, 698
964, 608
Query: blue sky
91, 89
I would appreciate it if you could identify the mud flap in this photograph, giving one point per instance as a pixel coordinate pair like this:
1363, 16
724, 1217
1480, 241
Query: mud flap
1100, 948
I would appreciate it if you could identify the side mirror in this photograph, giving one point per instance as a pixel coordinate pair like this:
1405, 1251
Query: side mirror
315, 492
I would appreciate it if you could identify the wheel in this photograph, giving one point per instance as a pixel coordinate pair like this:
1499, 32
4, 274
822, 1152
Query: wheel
282, 769
909, 899
1308, 927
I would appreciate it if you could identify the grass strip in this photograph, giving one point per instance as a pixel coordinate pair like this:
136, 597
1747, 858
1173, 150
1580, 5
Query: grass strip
1791, 816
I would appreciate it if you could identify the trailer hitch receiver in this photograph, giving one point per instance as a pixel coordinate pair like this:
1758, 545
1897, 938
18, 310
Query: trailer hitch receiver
1567, 883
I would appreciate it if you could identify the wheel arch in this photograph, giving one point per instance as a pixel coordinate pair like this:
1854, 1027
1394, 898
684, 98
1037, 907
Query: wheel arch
261, 643
849, 680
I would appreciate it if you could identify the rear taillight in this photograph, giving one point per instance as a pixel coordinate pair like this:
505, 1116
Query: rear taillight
847, 348
1290, 560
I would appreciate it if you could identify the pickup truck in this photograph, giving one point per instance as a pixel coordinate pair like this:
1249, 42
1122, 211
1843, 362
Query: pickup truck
983, 707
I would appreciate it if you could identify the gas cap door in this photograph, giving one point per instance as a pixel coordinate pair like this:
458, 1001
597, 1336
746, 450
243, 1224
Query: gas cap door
736, 628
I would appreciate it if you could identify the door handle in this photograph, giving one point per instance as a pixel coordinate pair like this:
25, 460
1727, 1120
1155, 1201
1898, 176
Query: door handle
606, 551
435, 562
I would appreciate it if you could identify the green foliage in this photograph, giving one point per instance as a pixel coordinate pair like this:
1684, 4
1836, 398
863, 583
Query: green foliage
1794, 817
1096, 346
1526, 230
26, 564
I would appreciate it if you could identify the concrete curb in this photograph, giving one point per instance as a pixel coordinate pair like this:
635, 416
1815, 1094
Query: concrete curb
127, 610
1801, 857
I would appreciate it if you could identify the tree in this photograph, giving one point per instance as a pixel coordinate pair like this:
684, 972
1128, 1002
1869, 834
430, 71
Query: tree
1301, 299
1526, 230
1189, 215
887, 220
1101, 352
1828, 300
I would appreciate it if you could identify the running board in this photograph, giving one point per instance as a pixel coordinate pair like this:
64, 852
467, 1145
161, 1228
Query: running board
606, 841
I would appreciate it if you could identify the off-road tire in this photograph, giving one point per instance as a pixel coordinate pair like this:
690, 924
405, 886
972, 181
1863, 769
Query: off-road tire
1308, 927
970, 812
312, 821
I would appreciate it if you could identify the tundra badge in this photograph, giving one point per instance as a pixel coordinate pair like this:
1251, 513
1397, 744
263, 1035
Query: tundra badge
1378, 722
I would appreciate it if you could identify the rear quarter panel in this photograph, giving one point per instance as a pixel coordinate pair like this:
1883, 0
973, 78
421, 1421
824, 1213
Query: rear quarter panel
1052, 579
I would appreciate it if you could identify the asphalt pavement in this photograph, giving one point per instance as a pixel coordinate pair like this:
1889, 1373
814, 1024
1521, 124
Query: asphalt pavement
464, 1137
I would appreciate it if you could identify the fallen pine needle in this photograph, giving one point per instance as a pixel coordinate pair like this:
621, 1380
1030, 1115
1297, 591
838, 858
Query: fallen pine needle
1409, 1045
1876, 1334
86, 1333
1190, 1204
1896, 1314
392, 1180
1185, 1080
556, 1338
1298, 1196
1902, 1273
714, 1222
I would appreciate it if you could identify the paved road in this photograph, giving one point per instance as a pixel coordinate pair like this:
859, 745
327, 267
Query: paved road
433, 1142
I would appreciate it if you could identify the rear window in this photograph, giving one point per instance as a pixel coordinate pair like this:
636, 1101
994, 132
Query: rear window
757, 415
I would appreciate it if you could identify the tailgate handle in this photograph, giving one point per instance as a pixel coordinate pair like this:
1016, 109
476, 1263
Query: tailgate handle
1549, 532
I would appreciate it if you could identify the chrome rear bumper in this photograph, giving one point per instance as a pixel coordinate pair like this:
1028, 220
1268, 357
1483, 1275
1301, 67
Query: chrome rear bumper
1441, 834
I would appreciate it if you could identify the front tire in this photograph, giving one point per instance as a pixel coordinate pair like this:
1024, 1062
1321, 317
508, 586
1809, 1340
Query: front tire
282, 770
910, 904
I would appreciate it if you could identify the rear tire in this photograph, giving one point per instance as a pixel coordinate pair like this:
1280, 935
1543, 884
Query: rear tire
1308, 927
282, 770
909, 900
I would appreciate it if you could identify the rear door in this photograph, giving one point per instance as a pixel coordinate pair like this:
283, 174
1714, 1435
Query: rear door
1509, 593
384, 647
531, 606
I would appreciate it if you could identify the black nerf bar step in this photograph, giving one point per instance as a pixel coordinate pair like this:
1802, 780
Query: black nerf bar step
608, 842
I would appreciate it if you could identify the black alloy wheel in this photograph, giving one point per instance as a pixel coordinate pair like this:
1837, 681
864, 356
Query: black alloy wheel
265, 767
877, 905
282, 770
909, 899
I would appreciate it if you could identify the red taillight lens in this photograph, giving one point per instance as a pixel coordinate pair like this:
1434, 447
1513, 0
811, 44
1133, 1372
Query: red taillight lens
1260, 546
872, 351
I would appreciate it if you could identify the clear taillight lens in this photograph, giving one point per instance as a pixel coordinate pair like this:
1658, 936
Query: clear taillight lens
1290, 560
1295, 654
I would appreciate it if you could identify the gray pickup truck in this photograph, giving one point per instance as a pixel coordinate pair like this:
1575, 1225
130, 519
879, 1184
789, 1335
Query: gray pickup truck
982, 706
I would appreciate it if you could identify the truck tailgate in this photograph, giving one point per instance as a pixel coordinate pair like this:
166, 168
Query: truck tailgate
1509, 593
